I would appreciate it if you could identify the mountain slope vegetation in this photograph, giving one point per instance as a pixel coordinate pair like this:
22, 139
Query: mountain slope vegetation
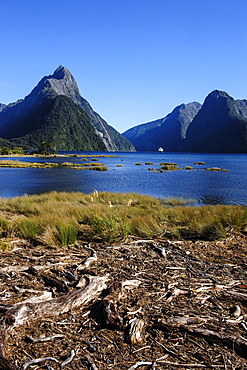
61, 122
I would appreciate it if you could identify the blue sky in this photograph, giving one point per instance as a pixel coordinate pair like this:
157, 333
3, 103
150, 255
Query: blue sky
133, 60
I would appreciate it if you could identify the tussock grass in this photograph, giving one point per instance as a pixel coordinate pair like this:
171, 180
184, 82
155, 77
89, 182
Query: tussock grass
170, 167
214, 169
61, 218
98, 168
21, 164
188, 168
93, 164
98, 155
78, 166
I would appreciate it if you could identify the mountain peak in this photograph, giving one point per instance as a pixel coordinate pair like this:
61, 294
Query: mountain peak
219, 94
61, 72
60, 83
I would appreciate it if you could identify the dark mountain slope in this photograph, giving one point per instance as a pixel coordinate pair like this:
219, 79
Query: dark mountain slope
5, 143
220, 125
167, 132
2, 106
61, 122
60, 83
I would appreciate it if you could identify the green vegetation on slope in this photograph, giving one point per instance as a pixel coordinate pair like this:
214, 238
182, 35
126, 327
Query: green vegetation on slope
62, 218
61, 122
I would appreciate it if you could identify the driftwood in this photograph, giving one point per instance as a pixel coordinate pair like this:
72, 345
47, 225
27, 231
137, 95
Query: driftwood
228, 339
26, 312
135, 331
90, 363
111, 303
54, 283
26, 267
21, 313
200, 304
38, 361
89, 261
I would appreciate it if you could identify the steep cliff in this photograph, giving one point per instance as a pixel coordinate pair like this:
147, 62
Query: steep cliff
168, 132
219, 126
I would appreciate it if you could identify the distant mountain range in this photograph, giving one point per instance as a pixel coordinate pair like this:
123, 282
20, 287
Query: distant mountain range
219, 125
55, 111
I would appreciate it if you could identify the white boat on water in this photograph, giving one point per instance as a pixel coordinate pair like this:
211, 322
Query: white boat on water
160, 149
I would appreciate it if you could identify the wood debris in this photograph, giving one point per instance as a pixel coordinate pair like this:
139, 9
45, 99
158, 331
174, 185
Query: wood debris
148, 304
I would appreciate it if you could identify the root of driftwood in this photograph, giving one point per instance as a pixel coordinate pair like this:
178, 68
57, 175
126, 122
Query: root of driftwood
25, 312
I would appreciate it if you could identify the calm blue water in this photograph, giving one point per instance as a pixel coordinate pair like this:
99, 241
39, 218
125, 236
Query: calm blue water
203, 186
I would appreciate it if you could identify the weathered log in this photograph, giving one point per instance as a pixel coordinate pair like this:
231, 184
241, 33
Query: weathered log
44, 296
21, 313
24, 312
54, 283
19, 268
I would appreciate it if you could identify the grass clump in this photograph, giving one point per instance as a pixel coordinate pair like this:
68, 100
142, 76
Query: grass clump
168, 164
93, 164
98, 168
214, 169
169, 167
62, 218
200, 163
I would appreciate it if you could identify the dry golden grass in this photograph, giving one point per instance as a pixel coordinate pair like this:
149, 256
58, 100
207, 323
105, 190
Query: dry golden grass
61, 218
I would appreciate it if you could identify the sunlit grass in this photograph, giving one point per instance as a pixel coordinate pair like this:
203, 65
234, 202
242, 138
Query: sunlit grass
94, 165
62, 218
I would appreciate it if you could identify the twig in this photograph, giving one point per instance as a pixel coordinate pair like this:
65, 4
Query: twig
188, 365
91, 363
141, 349
140, 363
38, 361
69, 359
44, 339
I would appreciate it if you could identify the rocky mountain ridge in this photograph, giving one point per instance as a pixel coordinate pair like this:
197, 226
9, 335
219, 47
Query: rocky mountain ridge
61, 82
167, 132
219, 125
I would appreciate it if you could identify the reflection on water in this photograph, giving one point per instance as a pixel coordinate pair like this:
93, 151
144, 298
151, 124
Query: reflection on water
203, 186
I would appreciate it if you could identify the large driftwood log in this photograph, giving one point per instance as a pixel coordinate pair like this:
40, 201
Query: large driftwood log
21, 313
26, 311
